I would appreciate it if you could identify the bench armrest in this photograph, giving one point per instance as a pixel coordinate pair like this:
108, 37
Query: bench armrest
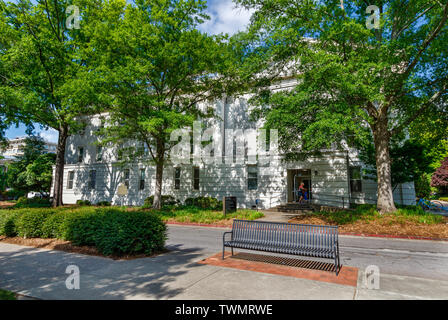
224, 235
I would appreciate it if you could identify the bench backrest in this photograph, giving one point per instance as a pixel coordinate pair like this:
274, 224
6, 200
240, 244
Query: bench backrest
285, 234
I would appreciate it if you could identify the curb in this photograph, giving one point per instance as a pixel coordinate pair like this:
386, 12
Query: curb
366, 235
392, 236
204, 225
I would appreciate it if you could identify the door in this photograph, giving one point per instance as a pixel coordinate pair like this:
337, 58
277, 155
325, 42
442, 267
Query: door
295, 178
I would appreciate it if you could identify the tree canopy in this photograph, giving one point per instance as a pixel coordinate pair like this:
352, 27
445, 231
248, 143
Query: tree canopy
158, 68
355, 84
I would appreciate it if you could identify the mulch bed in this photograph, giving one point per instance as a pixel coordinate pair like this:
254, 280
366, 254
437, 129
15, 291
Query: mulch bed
6, 204
67, 246
387, 225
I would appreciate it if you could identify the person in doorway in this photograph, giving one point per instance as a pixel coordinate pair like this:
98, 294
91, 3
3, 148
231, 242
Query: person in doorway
301, 192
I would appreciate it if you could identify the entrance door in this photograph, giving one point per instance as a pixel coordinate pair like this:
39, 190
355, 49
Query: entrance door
295, 178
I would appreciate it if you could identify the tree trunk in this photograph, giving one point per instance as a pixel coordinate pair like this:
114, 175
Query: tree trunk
157, 204
59, 170
385, 202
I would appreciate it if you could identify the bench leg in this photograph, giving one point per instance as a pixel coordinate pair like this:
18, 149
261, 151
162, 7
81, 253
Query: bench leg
232, 251
223, 248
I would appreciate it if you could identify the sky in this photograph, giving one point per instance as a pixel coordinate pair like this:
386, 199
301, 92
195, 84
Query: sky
224, 18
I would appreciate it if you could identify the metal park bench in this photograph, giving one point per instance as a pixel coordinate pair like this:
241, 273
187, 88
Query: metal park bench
285, 238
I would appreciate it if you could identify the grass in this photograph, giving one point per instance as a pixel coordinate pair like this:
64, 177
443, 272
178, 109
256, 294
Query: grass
369, 213
205, 216
7, 295
365, 219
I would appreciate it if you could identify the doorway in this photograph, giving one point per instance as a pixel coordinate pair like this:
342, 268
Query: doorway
295, 178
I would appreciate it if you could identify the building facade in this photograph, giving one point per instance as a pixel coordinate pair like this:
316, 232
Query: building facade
335, 178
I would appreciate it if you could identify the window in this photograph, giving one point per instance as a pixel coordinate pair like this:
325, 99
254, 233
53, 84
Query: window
252, 177
177, 178
99, 153
80, 154
142, 179
195, 178
355, 179
125, 178
71, 176
92, 179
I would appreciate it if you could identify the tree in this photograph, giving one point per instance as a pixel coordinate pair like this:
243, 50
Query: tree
440, 178
33, 170
158, 68
45, 69
354, 83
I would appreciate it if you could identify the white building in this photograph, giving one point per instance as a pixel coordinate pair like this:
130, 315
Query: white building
15, 148
335, 179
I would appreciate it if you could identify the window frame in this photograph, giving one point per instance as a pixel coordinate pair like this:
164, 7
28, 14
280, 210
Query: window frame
142, 178
70, 181
81, 154
176, 184
196, 180
355, 184
249, 178
92, 182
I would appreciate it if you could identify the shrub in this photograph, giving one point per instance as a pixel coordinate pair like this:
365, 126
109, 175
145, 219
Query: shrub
81, 226
112, 231
24, 202
103, 204
54, 226
166, 201
83, 203
130, 233
204, 203
8, 221
30, 223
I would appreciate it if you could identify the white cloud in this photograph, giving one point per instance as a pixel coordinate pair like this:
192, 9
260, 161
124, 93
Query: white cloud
50, 135
225, 17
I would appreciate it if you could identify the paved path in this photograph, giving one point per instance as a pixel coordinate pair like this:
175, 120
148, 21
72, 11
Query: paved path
409, 269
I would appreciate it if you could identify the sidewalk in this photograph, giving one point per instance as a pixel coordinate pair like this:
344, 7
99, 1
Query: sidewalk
177, 275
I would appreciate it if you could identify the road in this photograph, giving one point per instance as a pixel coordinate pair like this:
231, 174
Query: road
409, 269
413, 258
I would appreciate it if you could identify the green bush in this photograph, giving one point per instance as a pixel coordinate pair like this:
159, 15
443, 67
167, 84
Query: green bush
30, 223
166, 201
130, 233
24, 202
443, 198
55, 227
81, 226
103, 204
8, 221
83, 203
112, 231
204, 203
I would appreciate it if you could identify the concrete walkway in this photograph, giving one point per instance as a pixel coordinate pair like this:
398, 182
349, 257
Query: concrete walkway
176, 275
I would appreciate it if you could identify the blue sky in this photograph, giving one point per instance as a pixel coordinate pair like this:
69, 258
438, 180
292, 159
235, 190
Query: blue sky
224, 18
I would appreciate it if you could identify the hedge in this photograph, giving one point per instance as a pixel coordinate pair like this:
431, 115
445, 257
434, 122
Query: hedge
166, 201
112, 231
30, 223
204, 203
24, 202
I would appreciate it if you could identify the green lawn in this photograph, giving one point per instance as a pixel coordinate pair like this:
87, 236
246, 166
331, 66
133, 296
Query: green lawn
196, 215
7, 295
369, 213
